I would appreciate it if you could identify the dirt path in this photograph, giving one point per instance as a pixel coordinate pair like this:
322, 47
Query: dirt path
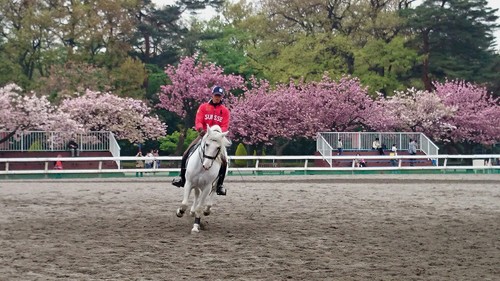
373, 227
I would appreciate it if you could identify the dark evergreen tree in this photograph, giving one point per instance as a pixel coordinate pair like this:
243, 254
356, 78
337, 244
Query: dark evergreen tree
161, 36
455, 38
158, 34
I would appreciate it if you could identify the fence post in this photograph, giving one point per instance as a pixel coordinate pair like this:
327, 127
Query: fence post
400, 144
359, 141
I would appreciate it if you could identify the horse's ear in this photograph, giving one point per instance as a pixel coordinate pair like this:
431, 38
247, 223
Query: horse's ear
225, 134
208, 130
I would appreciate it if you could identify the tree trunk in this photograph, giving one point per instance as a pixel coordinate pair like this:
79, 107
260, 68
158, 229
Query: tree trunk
7, 137
147, 44
280, 147
425, 67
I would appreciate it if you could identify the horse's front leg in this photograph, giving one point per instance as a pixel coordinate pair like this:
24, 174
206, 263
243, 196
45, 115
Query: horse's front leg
198, 209
195, 201
187, 192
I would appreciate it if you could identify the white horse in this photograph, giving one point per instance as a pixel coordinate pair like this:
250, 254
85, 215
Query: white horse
202, 172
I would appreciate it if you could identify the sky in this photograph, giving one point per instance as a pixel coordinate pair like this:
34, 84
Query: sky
495, 4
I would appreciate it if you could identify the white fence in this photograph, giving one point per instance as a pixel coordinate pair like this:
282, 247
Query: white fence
58, 141
262, 163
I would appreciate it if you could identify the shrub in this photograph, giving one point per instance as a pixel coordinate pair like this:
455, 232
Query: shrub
241, 151
168, 144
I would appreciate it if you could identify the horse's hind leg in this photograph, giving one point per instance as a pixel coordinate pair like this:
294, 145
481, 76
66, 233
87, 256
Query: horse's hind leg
183, 207
208, 207
207, 210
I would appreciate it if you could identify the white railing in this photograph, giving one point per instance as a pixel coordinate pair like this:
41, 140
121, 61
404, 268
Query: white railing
364, 141
56, 141
114, 148
324, 148
262, 163
427, 146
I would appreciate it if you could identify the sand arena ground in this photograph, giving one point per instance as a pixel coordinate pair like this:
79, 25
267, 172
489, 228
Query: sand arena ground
370, 227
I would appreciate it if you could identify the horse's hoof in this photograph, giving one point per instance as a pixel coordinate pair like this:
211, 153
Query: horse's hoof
206, 213
179, 213
196, 228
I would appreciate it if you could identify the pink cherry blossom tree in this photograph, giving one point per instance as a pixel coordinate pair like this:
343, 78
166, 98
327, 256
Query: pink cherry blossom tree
455, 112
127, 118
477, 115
342, 105
277, 116
250, 112
21, 111
190, 85
265, 116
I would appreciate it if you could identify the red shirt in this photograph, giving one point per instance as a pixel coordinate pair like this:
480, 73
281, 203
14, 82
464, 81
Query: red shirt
58, 165
212, 114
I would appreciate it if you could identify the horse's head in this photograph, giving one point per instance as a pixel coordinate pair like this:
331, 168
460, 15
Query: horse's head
214, 145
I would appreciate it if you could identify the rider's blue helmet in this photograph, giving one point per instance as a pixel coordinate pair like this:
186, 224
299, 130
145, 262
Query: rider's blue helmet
219, 91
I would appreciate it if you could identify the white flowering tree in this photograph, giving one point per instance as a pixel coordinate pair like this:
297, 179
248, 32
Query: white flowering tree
22, 112
127, 118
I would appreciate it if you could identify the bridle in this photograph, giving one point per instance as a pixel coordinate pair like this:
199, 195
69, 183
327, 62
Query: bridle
203, 144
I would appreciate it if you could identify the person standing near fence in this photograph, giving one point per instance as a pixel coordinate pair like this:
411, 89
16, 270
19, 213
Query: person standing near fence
73, 147
394, 152
340, 147
412, 150
156, 153
139, 164
149, 162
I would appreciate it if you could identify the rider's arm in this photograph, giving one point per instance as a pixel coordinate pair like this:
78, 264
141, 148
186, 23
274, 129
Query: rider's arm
225, 120
200, 118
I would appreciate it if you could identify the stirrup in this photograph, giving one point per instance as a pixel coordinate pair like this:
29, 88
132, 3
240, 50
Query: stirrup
178, 182
221, 190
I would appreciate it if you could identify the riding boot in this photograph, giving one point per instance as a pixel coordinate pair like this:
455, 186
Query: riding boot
220, 181
181, 180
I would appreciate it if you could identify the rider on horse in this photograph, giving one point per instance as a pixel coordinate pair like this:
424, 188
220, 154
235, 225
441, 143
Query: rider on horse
210, 113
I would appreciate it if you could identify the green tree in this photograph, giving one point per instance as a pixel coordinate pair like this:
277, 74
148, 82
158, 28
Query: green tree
294, 39
309, 58
26, 33
385, 67
226, 48
10, 71
37, 35
127, 85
